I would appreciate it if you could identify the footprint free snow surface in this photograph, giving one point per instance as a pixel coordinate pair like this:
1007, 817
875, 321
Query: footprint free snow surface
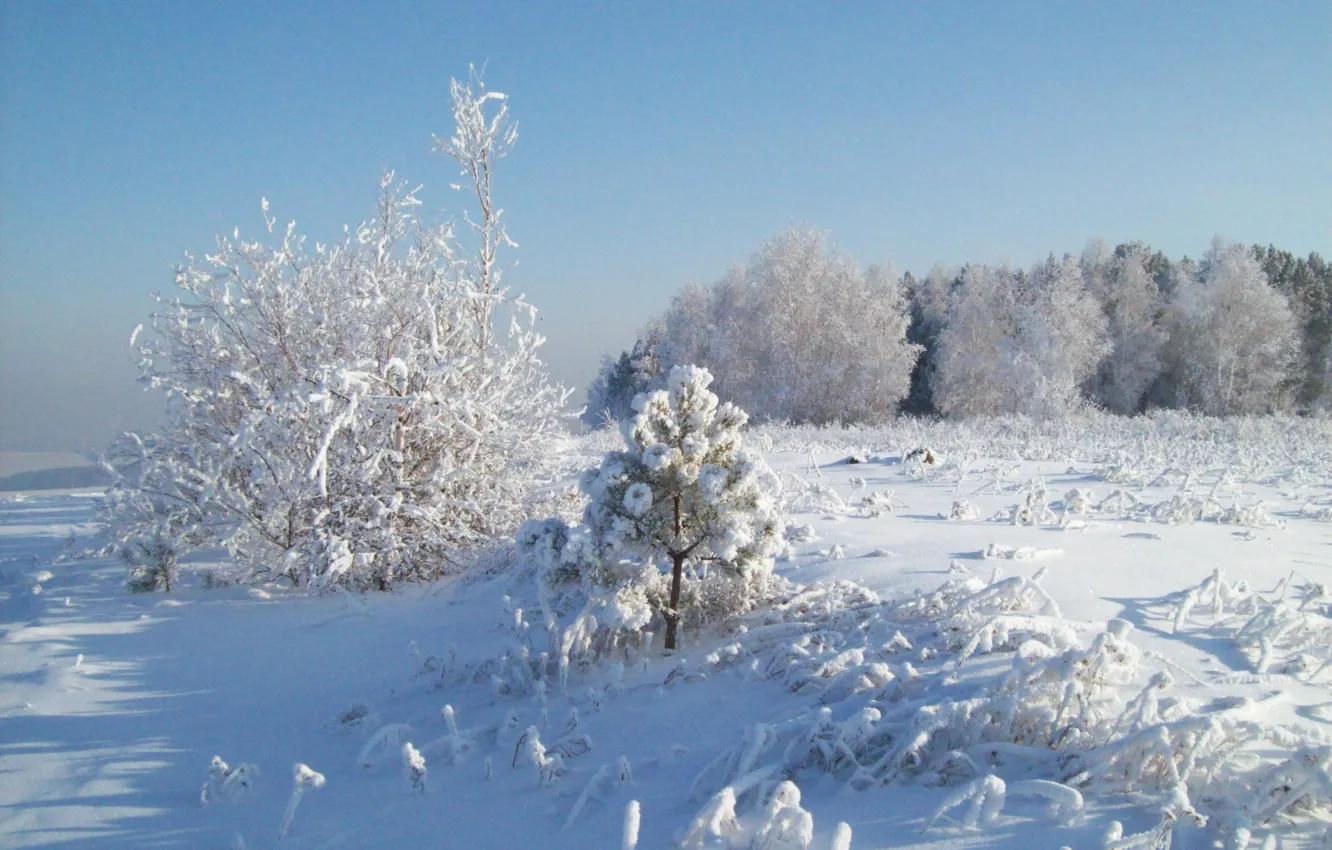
1095, 634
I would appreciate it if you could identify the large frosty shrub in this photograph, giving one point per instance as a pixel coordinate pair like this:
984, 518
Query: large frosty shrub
351, 414
683, 495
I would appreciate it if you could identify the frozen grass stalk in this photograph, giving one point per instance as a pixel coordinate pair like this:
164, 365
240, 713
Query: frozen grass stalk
629, 839
302, 777
414, 767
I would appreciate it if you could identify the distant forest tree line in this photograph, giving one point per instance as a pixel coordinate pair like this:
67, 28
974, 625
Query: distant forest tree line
802, 334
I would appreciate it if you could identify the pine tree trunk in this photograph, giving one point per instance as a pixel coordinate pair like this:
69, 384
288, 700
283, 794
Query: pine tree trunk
672, 614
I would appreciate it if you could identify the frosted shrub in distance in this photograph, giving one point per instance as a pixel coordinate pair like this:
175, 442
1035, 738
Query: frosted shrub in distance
350, 415
684, 493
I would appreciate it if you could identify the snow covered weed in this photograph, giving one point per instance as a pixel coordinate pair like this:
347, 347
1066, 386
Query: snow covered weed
982, 685
985, 683
1133, 451
1285, 632
225, 782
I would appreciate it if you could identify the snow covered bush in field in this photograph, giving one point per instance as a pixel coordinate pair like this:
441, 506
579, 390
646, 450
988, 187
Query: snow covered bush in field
151, 558
1285, 633
684, 495
350, 414
779, 823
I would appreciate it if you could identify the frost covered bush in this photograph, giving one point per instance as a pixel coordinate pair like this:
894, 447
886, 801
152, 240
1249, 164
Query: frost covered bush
151, 558
1285, 633
684, 495
353, 413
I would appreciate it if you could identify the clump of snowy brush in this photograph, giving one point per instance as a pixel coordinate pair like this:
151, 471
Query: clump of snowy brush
1285, 632
909, 692
981, 686
353, 415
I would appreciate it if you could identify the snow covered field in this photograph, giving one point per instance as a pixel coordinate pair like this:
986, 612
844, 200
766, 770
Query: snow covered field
1135, 609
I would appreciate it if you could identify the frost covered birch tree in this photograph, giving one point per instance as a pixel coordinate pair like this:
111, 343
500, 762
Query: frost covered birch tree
1134, 311
347, 414
1018, 343
1235, 342
1062, 338
800, 334
977, 345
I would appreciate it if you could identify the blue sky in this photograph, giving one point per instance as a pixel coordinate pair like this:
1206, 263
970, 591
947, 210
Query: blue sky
658, 143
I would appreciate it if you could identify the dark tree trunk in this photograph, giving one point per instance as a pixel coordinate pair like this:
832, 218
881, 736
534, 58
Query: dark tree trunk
672, 613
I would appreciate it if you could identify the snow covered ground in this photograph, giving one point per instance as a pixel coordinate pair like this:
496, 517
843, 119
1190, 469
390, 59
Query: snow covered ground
112, 705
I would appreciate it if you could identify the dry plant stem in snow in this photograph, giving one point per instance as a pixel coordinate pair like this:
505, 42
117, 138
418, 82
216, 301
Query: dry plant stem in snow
302, 778
629, 837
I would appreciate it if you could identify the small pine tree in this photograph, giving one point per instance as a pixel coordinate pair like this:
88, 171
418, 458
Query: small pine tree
151, 559
685, 492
